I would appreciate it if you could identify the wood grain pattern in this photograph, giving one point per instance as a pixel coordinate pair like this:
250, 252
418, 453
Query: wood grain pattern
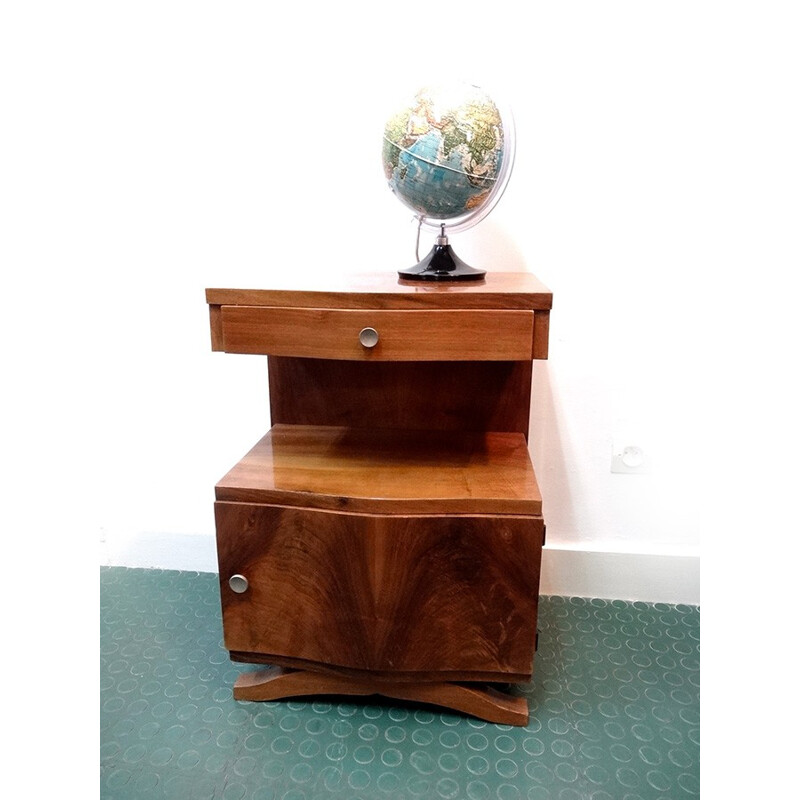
215, 321
389, 525
482, 702
450, 335
500, 290
393, 675
385, 471
541, 334
411, 594
411, 395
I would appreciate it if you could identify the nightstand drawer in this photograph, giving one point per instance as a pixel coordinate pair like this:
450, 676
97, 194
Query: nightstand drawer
414, 596
379, 334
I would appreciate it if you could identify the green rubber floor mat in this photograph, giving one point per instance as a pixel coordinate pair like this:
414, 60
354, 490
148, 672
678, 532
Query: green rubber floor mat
614, 712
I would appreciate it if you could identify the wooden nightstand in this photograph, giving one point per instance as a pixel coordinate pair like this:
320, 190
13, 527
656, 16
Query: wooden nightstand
384, 536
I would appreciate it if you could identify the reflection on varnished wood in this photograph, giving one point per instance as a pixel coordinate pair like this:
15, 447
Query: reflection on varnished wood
394, 593
500, 290
387, 471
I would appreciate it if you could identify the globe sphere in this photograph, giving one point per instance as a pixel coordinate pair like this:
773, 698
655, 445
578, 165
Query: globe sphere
448, 153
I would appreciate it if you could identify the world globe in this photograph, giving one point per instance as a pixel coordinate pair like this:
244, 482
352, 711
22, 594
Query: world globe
447, 155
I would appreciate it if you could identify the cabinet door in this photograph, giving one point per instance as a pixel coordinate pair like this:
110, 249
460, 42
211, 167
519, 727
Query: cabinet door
422, 597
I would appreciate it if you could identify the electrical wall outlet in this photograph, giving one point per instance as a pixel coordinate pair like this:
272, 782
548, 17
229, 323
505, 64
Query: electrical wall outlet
629, 459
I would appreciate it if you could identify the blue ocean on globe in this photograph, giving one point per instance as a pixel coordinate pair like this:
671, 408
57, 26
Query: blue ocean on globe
433, 185
443, 153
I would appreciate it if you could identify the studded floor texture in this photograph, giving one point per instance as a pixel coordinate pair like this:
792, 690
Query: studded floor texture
614, 712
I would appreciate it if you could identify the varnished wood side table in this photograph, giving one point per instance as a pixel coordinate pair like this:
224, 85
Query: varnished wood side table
385, 535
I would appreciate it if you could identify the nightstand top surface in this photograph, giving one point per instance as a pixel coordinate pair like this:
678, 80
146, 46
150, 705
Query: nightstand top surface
385, 471
507, 290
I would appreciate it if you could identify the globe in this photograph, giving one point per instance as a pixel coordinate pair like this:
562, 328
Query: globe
447, 155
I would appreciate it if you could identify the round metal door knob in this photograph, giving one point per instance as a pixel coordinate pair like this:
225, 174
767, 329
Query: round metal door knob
238, 583
368, 337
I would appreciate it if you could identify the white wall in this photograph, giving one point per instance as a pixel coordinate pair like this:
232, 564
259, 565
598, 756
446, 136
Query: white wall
219, 144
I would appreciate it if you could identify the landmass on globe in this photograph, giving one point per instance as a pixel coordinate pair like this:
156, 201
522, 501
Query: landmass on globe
442, 154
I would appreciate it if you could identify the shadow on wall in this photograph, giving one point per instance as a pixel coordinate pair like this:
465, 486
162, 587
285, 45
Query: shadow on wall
487, 245
549, 453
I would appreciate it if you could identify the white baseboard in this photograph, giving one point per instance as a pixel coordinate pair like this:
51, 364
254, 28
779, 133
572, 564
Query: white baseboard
652, 578
567, 572
187, 552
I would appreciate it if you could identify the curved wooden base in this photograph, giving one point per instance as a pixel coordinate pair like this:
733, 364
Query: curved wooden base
275, 683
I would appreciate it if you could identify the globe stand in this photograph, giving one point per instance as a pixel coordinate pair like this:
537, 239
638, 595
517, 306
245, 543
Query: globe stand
442, 264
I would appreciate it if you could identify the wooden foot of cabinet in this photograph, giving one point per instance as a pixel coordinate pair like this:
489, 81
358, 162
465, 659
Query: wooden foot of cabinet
484, 702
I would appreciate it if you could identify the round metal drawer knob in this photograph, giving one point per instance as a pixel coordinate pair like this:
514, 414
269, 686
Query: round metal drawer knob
238, 583
368, 337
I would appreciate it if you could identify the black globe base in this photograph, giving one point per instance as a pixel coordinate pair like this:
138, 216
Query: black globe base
442, 264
